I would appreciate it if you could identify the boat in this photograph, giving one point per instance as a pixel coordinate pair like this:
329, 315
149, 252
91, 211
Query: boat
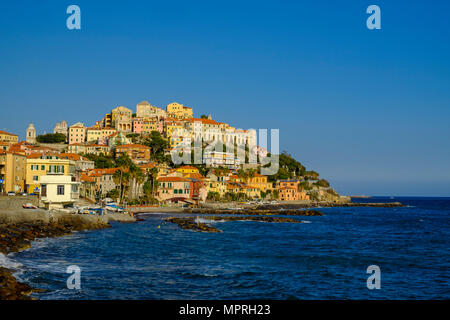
29, 206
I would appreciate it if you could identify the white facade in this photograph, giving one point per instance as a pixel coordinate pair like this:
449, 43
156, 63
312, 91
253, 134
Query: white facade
58, 191
220, 159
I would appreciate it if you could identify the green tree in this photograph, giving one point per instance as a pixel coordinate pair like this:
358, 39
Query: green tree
157, 144
51, 138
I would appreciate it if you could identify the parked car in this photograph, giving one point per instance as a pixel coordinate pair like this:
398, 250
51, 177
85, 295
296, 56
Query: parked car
11, 193
24, 194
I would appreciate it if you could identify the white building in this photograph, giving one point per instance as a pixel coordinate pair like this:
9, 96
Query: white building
216, 159
58, 191
31, 134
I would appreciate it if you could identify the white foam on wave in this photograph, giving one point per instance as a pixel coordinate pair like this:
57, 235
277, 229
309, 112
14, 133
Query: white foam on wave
9, 263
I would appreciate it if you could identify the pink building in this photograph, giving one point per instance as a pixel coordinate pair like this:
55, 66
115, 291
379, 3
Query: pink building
138, 125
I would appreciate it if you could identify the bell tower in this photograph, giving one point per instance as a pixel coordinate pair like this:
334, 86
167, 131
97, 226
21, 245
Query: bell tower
31, 134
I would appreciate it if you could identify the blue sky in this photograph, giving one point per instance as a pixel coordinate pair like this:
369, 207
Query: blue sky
368, 109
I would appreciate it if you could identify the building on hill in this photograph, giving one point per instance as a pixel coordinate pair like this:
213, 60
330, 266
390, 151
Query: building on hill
77, 133
288, 190
31, 134
117, 139
76, 148
177, 110
61, 127
137, 125
121, 119
81, 163
98, 149
97, 134
259, 181
9, 138
145, 110
187, 169
138, 153
4, 146
21, 147
103, 181
40, 150
12, 172
215, 159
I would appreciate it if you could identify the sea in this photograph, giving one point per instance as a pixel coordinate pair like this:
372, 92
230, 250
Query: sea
325, 257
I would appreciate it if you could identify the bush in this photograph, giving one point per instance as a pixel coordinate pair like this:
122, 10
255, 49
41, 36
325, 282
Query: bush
51, 138
322, 183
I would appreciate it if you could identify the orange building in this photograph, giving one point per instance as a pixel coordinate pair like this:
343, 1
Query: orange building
138, 153
288, 190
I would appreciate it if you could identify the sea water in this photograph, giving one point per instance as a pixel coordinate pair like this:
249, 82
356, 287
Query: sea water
325, 258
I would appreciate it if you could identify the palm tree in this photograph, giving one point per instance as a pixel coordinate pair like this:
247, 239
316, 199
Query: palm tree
138, 179
154, 174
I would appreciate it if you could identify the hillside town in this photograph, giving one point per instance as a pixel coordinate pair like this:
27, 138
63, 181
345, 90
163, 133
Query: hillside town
126, 156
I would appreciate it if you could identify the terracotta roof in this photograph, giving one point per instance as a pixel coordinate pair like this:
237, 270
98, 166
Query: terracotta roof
173, 179
87, 178
39, 155
71, 156
147, 165
11, 134
100, 172
194, 175
187, 167
204, 121
130, 146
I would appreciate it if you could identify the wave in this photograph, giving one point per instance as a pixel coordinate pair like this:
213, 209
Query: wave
9, 263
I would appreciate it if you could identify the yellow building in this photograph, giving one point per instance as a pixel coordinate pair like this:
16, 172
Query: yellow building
41, 165
121, 119
179, 111
107, 120
76, 148
187, 169
12, 172
259, 181
9, 138
251, 192
150, 125
98, 149
173, 128
95, 134
217, 186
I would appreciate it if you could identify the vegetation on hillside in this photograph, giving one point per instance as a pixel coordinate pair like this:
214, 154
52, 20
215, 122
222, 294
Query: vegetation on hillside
51, 138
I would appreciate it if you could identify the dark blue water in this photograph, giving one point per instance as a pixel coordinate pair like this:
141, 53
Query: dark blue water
325, 258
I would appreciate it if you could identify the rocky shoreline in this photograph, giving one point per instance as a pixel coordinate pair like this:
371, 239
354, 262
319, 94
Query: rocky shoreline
331, 205
20, 227
17, 237
191, 223
253, 212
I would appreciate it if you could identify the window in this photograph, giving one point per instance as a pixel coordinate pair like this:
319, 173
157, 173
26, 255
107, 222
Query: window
43, 190
42, 167
35, 178
60, 190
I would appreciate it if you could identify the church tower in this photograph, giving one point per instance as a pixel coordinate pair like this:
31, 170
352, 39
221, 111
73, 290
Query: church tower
31, 134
